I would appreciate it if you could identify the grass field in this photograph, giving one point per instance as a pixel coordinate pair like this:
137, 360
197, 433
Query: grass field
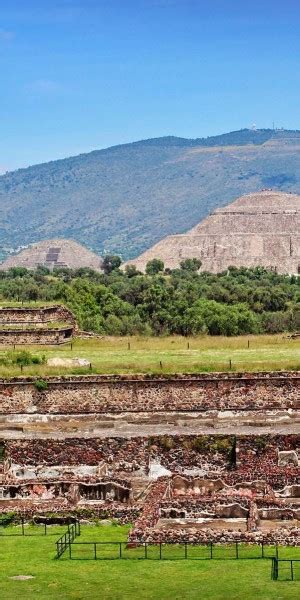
168, 355
130, 579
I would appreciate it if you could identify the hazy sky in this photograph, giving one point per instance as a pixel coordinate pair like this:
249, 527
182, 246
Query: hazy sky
83, 74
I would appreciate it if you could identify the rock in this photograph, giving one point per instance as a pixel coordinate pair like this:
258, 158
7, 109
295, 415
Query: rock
22, 577
68, 362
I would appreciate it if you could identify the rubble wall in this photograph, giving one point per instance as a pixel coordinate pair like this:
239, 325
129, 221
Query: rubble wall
100, 394
234, 459
32, 315
35, 336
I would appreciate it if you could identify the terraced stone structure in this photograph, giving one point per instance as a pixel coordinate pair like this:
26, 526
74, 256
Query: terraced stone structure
54, 254
259, 229
199, 458
43, 325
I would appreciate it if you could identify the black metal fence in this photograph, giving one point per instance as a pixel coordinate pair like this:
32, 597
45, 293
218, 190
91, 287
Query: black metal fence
24, 528
93, 550
66, 540
285, 569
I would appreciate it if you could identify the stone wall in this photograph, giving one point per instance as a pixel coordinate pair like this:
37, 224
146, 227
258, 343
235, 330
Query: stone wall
20, 325
103, 394
56, 510
208, 456
289, 536
41, 336
36, 315
73, 491
129, 406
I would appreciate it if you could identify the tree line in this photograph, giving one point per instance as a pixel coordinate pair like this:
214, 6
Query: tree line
183, 301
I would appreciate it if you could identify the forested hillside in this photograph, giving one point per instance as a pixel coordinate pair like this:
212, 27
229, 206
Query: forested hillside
182, 301
125, 198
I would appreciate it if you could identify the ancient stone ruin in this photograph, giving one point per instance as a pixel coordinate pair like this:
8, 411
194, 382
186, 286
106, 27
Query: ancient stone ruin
260, 229
212, 457
43, 325
54, 254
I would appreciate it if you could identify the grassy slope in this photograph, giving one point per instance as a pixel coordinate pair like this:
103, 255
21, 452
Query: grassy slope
122, 580
112, 355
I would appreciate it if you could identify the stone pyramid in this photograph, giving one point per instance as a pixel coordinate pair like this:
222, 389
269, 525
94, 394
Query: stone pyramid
259, 229
54, 254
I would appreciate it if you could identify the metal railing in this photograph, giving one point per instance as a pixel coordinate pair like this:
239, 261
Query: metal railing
94, 550
24, 528
285, 569
67, 538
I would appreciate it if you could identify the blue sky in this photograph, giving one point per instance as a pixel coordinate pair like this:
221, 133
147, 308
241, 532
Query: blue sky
77, 75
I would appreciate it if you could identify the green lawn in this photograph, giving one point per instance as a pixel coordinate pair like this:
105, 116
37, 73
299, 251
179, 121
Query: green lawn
130, 579
169, 355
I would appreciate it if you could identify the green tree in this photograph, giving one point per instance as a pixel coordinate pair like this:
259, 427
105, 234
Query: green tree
131, 271
110, 263
191, 264
154, 266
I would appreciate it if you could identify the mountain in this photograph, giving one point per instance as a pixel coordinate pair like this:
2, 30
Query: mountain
259, 229
126, 198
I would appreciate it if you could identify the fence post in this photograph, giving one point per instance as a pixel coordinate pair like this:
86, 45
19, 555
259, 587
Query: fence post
292, 571
185, 550
22, 522
95, 551
211, 549
146, 555
159, 550
262, 550
273, 569
120, 550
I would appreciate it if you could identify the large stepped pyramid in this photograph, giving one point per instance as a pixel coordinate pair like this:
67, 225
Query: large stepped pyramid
259, 229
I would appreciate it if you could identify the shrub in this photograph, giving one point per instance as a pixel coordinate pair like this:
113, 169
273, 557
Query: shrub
41, 385
166, 442
24, 358
7, 518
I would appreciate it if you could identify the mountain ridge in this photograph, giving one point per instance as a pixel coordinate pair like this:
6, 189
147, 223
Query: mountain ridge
125, 198
242, 136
